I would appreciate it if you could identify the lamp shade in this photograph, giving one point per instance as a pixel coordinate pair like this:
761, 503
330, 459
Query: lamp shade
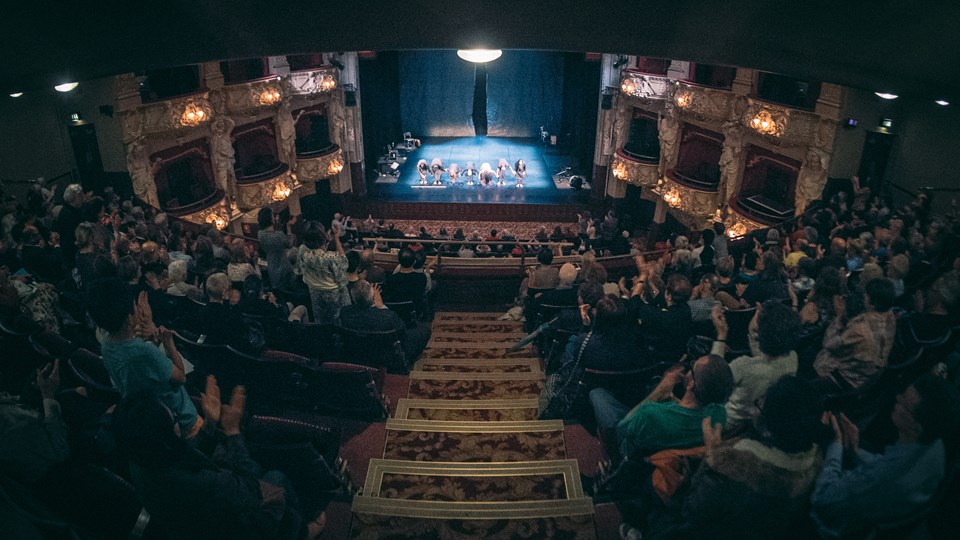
479, 56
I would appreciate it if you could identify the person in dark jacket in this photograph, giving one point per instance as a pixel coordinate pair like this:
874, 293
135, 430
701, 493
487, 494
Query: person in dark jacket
220, 493
369, 313
665, 330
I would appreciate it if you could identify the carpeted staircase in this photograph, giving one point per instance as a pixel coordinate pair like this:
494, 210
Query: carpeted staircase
464, 455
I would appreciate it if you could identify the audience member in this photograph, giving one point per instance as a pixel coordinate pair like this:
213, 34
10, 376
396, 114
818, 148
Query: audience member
858, 489
323, 271
661, 420
773, 335
369, 313
856, 345
137, 365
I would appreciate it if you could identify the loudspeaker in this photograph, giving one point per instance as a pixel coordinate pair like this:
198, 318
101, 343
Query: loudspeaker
606, 101
350, 98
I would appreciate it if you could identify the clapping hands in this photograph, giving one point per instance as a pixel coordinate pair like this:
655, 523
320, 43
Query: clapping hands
229, 414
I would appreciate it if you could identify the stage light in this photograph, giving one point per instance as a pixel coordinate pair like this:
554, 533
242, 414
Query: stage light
940, 102
479, 56
16, 94
886, 95
66, 87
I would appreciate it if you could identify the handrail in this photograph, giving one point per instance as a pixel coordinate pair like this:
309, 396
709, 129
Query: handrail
417, 240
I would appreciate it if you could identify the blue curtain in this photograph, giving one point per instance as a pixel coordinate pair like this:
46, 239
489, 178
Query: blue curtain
524, 92
436, 94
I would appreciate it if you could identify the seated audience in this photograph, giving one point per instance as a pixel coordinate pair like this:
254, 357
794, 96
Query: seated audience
702, 299
369, 313
33, 442
661, 420
240, 266
665, 330
260, 303
192, 494
929, 327
857, 345
406, 284
773, 334
858, 489
177, 274
565, 294
769, 283
543, 275
755, 487
221, 320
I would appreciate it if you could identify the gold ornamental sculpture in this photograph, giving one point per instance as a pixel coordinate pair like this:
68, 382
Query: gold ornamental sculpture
634, 172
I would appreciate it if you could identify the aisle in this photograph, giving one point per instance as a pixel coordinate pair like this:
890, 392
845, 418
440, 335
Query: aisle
464, 455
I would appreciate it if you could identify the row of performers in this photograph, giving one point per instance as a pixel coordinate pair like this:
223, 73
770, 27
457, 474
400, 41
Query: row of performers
485, 176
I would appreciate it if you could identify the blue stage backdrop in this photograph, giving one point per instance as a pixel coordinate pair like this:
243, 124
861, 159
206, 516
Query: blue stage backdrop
524, 92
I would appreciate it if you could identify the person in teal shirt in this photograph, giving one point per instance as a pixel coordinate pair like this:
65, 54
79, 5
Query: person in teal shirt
137, 366
661, 421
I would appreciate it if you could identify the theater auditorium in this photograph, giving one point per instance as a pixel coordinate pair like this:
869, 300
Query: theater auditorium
488, 269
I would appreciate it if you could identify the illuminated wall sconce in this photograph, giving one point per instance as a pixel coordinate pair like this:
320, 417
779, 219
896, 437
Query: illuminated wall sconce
683, 100
269, 96
764, 123
672, 198
281, 191
628, 87
328, 83
219, 218
619, 170
737, 230
335, 166
193, 115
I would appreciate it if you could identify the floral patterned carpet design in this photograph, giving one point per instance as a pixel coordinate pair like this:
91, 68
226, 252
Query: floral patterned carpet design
529, 494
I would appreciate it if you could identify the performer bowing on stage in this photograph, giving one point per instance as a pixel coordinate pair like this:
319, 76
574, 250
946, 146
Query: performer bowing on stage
454, 171
423, 169
436, 167
520, 172
487, 175
470, 172
502, 168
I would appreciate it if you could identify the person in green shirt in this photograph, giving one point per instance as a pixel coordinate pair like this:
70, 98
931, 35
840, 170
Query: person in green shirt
662, 421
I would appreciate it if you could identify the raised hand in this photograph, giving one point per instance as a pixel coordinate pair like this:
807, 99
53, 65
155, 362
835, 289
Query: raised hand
719, 322
712, 433
231, 414
48, 380
851, 434
210, 402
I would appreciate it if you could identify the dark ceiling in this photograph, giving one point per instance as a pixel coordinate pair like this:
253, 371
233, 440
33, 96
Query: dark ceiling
908, 47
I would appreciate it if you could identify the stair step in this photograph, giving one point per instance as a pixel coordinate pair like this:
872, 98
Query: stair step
467, 365
454, 441
459, 410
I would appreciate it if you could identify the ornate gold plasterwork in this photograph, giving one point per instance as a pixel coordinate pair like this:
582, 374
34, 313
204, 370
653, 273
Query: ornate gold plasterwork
216, 213
766, 119
263, 193
314, 168
251, 96
634, 172
685, 199
738, 225
705, 104
166, 116
309, 83
651, 87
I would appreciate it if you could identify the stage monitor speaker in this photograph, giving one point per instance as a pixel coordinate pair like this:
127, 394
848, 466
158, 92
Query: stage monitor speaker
606, 101
350, 98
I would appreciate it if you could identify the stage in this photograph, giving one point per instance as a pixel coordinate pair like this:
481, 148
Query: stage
538, 200
538, 187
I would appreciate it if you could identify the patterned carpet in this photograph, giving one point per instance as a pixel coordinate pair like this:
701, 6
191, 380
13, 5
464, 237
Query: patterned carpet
464, 456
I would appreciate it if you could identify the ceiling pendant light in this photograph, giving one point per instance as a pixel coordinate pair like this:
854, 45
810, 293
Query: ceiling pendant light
942, 102
16, 94
886, 95
66, 87
479, 56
